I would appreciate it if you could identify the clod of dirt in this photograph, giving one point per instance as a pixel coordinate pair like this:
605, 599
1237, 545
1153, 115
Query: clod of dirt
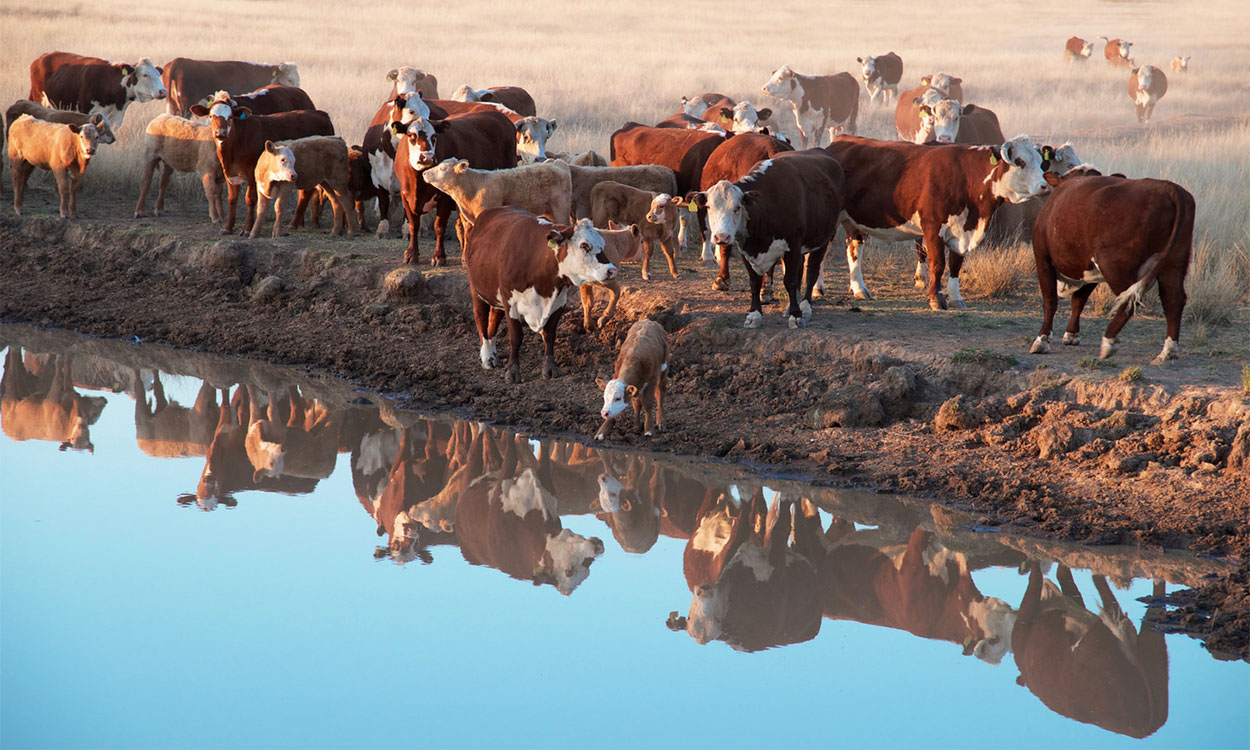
404, 285
1054, 439
1239, 456
268, 289
958, 413
847, 406
224, 256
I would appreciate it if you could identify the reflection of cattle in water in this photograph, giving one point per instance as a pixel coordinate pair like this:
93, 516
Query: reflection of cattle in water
765, 595
922, 588
45, 406
721, 526
631, 490
418, 472
166, 429
293, 437
1095, 668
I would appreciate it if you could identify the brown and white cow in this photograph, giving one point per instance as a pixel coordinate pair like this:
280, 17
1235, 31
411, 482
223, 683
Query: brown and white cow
241, 137
655, 214
944, 195
1116, 52
1077, 49
379, 146
696, 106
638, 379
619, 244
523, 268
683, 121
177, 144
410, 80
304, 164
786, 209
46, 407
1128, 233
1146, 86
92, 85
192, 82
737, 117
64, 150
268, 100
881, 74
1181, 64
59, 116
822, 104
514, 98
914, 114
486, 140
948, 121
946, 84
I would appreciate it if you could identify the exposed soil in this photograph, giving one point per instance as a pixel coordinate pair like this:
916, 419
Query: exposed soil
882, 394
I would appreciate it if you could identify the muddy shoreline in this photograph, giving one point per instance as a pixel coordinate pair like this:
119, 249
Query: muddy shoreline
944, 409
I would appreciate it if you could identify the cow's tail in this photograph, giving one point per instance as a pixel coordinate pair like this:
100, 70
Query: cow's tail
612, 150
1131, 297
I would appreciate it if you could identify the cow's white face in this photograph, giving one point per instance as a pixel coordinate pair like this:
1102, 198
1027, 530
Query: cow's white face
663, 209
466, 93
219, 119
997, 621
726, 212
1123, 48
746, 118
930, 98
1063, 159
568, 558
942, 82
782, 85
409, 107
1087, 49
581, 258
693, 106
614, 399
531, 138
286, 74
87, 138
421, 139
406, 79
277, 164
143, 82
869, 68
941, 121
439, 174
103, 130
708, 608
1145, 77
1023, 177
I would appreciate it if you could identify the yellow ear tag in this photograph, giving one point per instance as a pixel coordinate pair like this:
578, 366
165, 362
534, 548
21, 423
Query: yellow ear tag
553, 244
993, 159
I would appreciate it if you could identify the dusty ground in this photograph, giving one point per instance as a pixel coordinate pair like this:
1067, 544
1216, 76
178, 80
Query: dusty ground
883, 394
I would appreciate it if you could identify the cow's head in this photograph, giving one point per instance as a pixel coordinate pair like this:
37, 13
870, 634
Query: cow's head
277, 164
782, 84
708, 608
868, 67
632, 516
422, 136
579, 253
221, 115
1059, 160
406, 79
1122, 48
663, 210
409, 106
621, 242
996, 620
101, 125
143, 81
567, 559
86, 138
942, 82
440, 173
616, 396
745, 118
467, 93
286, 74
1016, 171
1087, 48
531, 138
727, 206
693, 105
940, 122
1145, 76
1181, 64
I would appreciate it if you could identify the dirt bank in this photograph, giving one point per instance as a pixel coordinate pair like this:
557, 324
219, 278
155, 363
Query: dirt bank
882, 394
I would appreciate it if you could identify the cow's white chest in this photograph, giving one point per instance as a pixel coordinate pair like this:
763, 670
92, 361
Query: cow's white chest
533, 308
764, 262
236, 180
111, 112
958, 237
753, 557
1143, 97
377, 452
382, 172
525, 494
713, 534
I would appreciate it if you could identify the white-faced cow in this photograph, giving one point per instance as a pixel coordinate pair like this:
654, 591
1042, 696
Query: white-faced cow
822, 104
514, 98
785, 209
638, 378
881, 74
1146, 86
64, 80
410, 80
1128, 233
192, 82
1077, 49
1116, 52
523, 268
1181, 64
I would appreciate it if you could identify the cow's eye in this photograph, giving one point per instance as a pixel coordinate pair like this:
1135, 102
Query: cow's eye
585, 247
1020, 163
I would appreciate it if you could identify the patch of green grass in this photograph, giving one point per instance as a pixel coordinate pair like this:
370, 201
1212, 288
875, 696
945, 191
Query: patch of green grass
1093, 363
984, 357
1130, 374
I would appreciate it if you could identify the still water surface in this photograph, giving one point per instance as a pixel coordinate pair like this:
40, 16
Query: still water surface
306, 567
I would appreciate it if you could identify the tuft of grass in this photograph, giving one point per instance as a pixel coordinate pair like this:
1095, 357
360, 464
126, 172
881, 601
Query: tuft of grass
1130, 374
1093, 363
984, 357
998, 273
1245, 380
1216, 283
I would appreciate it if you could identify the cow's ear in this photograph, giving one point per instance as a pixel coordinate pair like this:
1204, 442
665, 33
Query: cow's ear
420, 94
269, 147
1052, 179
924, 81
603, 384
859, 60
160, 71
1007, 152
995, 155
400, 101
397, 128
551, 126
631, 391
555, 238
243, 112
696, 199
926, 110
440, 126
915, 101
956, 80
97, 119
127, 70
462, 166
199, 110
487, 96
793, 85
726, 113
393, 75
75, 128
635, 231
764, 113
675, 200
750, 197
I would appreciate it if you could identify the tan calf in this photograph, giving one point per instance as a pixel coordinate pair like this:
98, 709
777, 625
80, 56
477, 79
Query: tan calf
640, 375
65, 150
656, 215
619, 243
180, 145
1180, 64
544, 189
584, 159
304, 164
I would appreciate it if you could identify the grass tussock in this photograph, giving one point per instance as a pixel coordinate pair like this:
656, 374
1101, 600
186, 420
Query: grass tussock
1217, 282
1130, 374
998, 273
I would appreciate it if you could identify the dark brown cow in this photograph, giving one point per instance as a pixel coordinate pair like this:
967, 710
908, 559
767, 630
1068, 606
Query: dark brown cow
881, 74
487, 140
941, 194
241, 138
192, 82
46, 406
822, 104
514, 98
1116, 52
1146, 86
523, 267
683, 121
732, 160
1128, 233
1077, 49
785, 209
64, 80
1095, 668
272, 99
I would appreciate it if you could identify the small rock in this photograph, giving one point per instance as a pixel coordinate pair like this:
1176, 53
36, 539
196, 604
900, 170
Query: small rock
1053, 439
847, 406
377, 310
958, 413
268, 289
404, 285
1239, 456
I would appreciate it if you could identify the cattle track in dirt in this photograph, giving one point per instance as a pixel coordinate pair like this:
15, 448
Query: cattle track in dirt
865, 397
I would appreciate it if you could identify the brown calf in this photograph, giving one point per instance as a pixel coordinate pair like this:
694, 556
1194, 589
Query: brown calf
304, 164
1077, 49
639, 377
619, 244
180, 145
65, 150
656, 215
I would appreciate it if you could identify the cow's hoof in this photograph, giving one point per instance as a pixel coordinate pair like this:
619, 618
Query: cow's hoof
513, 375
647, 434
550, 371
1071, 339
223, 231
384, 228
600, 436
861, 294
720, 284
805, 308
1041, 345
796, 322
1108, 348
960, 304
138, 214
754, 320
601, 322
921, 283
1171, 350
938, 303
438, 261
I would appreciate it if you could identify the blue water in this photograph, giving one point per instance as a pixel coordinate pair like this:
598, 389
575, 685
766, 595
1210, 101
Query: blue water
128, 619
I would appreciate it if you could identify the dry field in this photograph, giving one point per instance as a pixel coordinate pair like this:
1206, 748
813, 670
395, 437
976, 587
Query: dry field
592, 67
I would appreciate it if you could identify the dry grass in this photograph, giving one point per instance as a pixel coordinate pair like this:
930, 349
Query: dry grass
999, 272
595, 66
1217, 281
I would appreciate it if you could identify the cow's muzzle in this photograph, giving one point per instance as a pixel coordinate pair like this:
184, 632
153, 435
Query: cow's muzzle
425, 158
162, 94
723, 240
945, 139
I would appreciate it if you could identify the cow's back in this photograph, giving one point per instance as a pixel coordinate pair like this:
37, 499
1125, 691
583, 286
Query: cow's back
287, 126
505, 247
802, 194
44, 65
978, 125
191, 81
683, 151
485, 138
734, 157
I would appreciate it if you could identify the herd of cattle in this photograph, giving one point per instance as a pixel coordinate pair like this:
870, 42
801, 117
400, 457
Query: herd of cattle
758, 576
534, 224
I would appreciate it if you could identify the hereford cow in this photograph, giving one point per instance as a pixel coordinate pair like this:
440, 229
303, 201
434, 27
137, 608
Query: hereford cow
785, 209
881, 75
379, 146
732, 160
177, 144
1181, 64
59, 116
64, 150
268, 100
514, 98
304, 164
1128, 233
409, 80
1077, 49
522, 267
1146, 86
946, 84
486, 140
822, 104
619, 244
899, 191
683, 121
46, 407
192, 82
737, 117
914, 114
1116, 52
696, 106
638, 379
89, 84
544, 189
241, 138
950, 122
655, 214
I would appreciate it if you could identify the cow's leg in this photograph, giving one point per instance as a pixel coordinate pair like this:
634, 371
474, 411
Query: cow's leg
812, 262
360, 213
614, 293
755, 316
62, 187
660, 385
343, 201
252, 192
854, 259
670, 254
585, 291
922, 266
711, 253
723, 254
955, 259
444, 208
1172, 296
792, 277
145, 184
1118, 320
411, 255
262, 206
515, 330
212, 191
1047, 282
1072, 335
19, 173
936, 250
647, 247
549, 344
384, 211
161, 188
297, 220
